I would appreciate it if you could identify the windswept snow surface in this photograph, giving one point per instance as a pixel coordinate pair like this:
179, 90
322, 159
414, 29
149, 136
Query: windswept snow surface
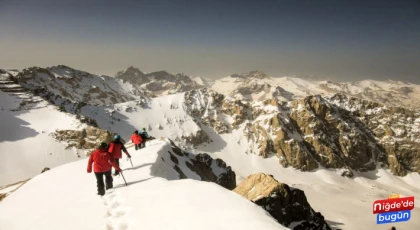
346, 203
26, 146
164, 117
65, 198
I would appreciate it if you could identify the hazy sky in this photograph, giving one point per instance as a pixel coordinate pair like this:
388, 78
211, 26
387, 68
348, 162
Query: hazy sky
342, 39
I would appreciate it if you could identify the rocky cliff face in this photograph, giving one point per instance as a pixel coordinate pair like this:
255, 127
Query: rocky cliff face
186, 165
158, 83
337, 132
287, 205
205, 106
88, 138
396, 131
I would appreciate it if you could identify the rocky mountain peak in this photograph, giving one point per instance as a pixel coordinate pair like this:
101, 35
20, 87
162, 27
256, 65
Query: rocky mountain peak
159, 82
252, 74
132, 69
132, 75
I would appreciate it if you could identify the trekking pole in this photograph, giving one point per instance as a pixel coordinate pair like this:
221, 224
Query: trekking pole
124, 179
131, 162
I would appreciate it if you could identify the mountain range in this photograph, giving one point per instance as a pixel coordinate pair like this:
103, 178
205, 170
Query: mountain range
354, 142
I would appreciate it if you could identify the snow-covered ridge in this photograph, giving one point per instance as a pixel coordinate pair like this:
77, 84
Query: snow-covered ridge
77, 86
26, 144
149, 201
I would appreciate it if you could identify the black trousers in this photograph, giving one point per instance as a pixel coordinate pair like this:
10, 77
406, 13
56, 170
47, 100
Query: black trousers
100, 181
137, 146
143, 143
117, 160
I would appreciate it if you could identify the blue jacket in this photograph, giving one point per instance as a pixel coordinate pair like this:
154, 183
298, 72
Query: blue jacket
141, 132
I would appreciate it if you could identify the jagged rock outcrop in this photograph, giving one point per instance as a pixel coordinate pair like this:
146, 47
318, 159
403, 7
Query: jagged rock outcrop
287, 205
88, 138
197, 138
396, 131
238, 110
175, 161
205, 105
158, 83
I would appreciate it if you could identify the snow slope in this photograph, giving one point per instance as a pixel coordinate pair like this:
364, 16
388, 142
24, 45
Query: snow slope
346, 203
26, 146
163, 117
166, 117
65, 198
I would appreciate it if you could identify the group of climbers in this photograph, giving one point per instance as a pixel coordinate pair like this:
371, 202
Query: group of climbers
107, 156
139, 138
104, 158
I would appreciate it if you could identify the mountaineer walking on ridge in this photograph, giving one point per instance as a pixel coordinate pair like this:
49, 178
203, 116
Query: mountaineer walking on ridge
102, 161
116, 147
144, 136
136, 139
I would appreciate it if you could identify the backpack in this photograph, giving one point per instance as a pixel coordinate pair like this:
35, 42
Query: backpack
143, 136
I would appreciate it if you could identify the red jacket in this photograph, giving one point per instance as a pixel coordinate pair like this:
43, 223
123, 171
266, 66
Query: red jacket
103, 161
116, 148
136, 139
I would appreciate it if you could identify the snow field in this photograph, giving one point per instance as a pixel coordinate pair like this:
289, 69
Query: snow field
65, 198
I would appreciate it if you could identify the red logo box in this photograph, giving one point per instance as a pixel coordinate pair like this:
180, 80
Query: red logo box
393, 205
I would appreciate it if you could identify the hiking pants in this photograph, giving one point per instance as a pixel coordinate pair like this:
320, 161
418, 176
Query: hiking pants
100, 181
117, 160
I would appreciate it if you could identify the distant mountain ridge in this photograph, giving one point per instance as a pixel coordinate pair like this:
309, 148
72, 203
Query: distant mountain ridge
160, 82
133, 84
77, 86
258, 86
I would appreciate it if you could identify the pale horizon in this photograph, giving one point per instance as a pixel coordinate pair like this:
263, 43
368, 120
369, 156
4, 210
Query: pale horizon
341, 41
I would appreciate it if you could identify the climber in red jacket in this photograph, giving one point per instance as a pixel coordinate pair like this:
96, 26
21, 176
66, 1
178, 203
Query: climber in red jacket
136, 139
102, 161
116, 147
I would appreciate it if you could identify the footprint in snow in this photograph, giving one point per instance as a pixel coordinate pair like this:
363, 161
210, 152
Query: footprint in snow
116, 211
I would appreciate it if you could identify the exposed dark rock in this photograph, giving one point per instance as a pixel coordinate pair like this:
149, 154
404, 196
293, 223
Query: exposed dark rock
287, 205
188, 165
